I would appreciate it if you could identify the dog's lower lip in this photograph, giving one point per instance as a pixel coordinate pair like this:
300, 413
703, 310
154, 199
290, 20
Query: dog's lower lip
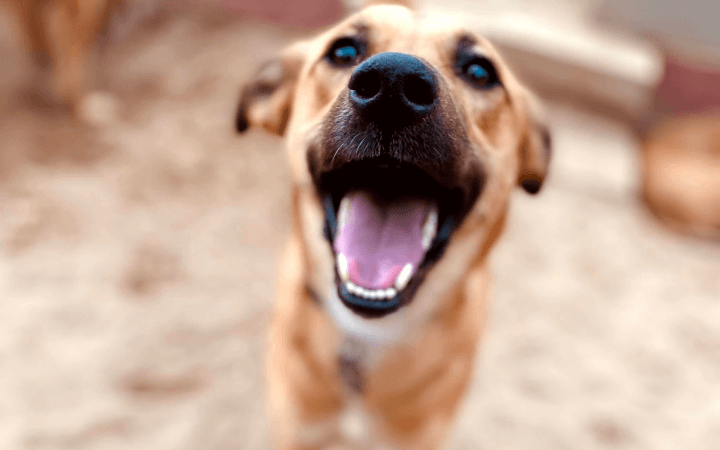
367, 305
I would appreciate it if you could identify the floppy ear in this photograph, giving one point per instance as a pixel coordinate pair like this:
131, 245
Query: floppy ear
535, 150
266, 100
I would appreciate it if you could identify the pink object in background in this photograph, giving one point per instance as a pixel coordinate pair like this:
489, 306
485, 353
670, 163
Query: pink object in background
298, 13
687, 88
687, 33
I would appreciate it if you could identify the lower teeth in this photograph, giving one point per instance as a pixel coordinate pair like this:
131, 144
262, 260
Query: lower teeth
380, 294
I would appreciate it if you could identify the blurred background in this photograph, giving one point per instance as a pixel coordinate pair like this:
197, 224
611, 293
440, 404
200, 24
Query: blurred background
139, 234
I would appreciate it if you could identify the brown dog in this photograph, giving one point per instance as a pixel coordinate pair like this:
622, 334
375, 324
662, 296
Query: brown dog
406, 135
61, 36
681, 174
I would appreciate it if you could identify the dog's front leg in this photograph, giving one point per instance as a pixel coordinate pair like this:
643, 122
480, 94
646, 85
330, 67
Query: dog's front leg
304, 393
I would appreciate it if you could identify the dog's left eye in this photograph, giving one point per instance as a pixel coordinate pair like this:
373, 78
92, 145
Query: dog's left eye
479, 72
345, 52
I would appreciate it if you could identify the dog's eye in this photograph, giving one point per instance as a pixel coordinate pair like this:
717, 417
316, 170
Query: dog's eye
345, 52
479, 72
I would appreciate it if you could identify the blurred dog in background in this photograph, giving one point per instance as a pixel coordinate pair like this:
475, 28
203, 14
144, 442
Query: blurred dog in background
680, 177
61, 36
681, 174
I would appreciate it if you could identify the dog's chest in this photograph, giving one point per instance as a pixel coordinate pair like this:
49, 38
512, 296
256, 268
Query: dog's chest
354, 428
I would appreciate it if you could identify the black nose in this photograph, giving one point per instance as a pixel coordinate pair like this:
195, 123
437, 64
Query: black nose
393, 89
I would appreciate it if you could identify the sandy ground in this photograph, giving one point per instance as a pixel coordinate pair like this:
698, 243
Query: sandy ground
137, 266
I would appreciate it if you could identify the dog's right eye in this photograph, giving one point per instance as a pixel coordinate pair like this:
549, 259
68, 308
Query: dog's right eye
345, 52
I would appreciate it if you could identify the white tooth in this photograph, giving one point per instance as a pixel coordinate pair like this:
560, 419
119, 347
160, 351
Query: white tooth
390, 293
343, 212
429, 228
342, 267
404, 277
374, 295
350, 287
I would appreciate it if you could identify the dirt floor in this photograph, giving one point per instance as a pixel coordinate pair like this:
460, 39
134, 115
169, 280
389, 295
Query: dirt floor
137, 267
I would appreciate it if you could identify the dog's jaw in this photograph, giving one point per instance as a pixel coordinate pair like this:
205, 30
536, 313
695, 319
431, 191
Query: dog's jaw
373, 332
415, 182
439, 283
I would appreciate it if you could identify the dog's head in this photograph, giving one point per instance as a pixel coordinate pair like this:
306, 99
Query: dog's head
406, 135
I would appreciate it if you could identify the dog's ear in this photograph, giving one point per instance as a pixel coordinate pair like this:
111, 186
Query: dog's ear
266, 100
535, 149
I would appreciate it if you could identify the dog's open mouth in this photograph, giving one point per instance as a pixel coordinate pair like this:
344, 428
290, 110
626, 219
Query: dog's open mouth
388, 223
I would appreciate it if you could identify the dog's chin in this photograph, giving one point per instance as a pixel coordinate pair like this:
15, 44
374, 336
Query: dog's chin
388, 223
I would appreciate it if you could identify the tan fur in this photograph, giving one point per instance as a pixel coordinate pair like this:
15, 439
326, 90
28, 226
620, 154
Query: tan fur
414, 381
61, 35
681, 174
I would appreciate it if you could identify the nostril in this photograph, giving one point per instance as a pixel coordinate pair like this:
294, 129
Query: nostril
419, 91
367, 84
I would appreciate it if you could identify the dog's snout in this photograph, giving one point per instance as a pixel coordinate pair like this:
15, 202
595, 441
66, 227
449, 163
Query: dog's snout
393, 89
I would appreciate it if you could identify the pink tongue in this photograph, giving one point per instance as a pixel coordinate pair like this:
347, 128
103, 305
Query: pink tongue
379, 240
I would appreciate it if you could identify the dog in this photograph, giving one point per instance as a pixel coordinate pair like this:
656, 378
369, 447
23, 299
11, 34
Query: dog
406, 135
680, 169
61, 35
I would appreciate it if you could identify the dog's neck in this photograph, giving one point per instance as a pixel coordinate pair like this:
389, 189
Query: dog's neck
364, 342
353, 364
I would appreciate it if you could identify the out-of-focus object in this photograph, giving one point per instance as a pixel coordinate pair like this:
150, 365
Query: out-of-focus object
681, 173
298, 13
559, 50
682, 27
686, 87
686, 32
61, 35
681, 150
356, 5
